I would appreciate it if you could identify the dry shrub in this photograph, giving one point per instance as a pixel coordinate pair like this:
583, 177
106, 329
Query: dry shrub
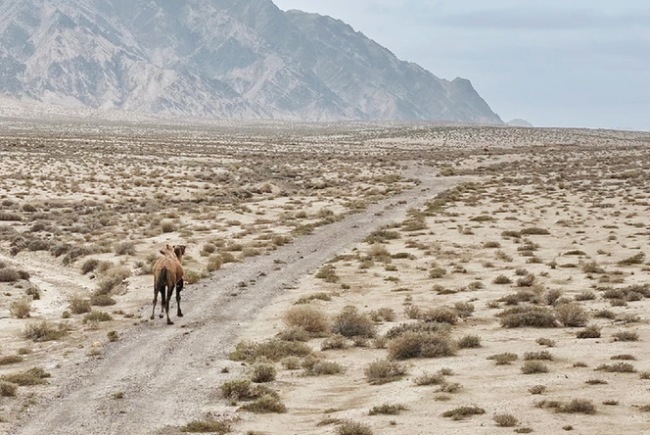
209, 425
589, 332
324, 368
9, 274
308, 318
44, 331
293, 333
571, 315
353, 428
531, 367
542, 355
263, 372
274, 350
579, 406
79, 305
89, 265
505, 358
33, 376
10, 359
214, 263
386, 409
528, 316
505, 420
351, 323
635, 259
125, 248
21, 308
423, 327
265, 405
384, 371
111, 279
501, 279
421, 345
626, 336
620, 367
334, 342
7, 389
469, 342
101, 300
440, 314
463, 412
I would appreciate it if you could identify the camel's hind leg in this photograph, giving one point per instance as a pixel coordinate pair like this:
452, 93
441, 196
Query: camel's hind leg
179, 287
170, 291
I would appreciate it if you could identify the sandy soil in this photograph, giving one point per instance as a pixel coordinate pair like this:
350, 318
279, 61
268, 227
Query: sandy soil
558, 213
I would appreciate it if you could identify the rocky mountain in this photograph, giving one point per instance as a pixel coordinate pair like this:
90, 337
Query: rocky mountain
238, 59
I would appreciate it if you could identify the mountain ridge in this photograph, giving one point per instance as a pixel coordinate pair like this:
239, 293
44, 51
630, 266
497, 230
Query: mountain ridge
226, 59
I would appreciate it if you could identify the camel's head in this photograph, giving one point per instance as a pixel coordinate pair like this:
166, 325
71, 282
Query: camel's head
179, 250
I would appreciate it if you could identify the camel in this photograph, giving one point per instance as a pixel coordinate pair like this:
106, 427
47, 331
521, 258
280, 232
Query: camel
168, 273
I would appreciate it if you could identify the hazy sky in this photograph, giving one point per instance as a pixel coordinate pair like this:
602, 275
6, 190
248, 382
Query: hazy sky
582, 63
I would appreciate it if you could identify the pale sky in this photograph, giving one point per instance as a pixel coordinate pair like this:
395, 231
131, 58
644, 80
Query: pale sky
578, 63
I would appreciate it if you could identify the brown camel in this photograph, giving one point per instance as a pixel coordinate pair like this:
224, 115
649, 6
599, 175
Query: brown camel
167, 274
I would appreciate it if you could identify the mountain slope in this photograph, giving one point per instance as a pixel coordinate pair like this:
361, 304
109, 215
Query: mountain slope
242, 59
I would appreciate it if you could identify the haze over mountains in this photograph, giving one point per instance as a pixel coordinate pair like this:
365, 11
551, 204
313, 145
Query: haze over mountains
227, 59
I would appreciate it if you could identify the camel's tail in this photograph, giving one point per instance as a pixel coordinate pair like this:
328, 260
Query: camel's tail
162, 278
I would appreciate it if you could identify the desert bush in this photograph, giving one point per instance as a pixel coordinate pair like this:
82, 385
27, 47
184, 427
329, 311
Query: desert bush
167, 226
21, 308
505, 420
266, 404
620, 367
537, 389
469, 341
111, 279
10, 359
9, 274
294, 333
44, 331
290, 363
423, 327
421, 344
545, 342
589, 332
89, 265
384, 371
575, 406
324, 368
79, 305
505, 358
209, 425
334, 342
386, 409
237, 389
316, 296
464, 309
439, 314
214, 263
429, 379
571, 314
353, 428
33, 376
351, 323
625, 336
97, 316
308, 318
501, 279
526, 281
635, 259
542, 355
463, 412
101, 300
7, 389
274, 350
386, 314
125, 248
263, 372
328, 274
535, 231
530, 367
531, 316
585, 296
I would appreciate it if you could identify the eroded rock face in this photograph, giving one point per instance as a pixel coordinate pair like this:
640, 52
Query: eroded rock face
239, 59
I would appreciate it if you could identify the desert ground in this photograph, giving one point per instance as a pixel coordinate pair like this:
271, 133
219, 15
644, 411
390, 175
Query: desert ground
348, 279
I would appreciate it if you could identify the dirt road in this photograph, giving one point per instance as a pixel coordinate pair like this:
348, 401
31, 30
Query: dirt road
167, 373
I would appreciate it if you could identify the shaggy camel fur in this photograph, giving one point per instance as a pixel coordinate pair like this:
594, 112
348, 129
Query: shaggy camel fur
167, 274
